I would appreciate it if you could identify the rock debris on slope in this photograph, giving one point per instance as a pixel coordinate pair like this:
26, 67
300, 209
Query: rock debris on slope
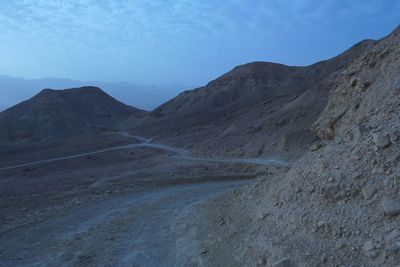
339, 205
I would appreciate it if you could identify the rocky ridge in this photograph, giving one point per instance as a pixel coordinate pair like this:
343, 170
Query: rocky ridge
339, 203
256, 109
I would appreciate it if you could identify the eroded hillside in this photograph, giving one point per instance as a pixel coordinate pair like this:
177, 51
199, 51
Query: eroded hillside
339, 204
63, 113
257, 109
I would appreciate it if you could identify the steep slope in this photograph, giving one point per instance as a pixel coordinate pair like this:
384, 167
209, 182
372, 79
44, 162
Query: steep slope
256, 109
58, 113
339, 205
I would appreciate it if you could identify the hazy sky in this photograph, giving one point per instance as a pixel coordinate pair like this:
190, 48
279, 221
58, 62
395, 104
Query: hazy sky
178, 41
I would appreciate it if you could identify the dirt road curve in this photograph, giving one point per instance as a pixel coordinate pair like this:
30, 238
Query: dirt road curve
144, 229
179, 153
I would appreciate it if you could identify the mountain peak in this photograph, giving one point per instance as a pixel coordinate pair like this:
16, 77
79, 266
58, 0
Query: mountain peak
397, 30
46, 92
60, 113
257, 70
84, 89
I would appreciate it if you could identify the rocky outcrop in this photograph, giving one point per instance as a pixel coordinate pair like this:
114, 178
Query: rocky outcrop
339, 204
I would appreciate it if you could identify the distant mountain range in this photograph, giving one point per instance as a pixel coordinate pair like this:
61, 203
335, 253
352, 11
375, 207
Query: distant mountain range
14, 90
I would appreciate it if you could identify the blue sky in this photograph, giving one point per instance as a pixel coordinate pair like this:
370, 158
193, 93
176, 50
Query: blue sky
163, 42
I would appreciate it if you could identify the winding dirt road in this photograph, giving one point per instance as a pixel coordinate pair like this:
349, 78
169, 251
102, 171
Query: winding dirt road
139, 229
133, 230
179, 153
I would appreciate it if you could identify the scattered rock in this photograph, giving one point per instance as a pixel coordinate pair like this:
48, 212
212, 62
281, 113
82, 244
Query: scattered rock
330, 192
396, 87
369, 246
368, 191
391, 207
381, 140
315, 147
76, 201
373, 253
378, 170
321, 224
256, 128
394, 134
365, 85
395, 234
353, 82
265, 215
286, 262
353, 72
262, 261
204, 252
392, 250
340, 244
357, 133
221, 221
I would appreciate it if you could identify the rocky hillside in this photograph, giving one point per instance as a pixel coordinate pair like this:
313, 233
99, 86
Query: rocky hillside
59, 113
256, 109
339, 205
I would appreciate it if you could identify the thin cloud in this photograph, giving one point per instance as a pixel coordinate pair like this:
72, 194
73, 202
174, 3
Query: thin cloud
168, 37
